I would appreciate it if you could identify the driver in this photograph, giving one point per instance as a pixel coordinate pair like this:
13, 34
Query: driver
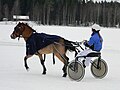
94, 44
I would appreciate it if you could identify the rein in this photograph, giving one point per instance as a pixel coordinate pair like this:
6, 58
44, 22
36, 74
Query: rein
20, 35
76, 44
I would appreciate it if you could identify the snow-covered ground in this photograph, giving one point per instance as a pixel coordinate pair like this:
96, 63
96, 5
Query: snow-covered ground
13, 75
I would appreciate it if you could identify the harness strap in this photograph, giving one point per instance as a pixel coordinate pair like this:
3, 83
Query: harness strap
59, 53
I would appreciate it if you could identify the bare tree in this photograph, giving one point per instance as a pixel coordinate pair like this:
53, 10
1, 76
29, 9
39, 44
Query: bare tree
0, 10
16, 8
6, 11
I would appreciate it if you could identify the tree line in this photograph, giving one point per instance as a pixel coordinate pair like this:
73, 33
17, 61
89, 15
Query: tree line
63, 12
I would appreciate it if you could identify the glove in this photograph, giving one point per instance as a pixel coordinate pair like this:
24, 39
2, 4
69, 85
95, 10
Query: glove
84, 41
78, 43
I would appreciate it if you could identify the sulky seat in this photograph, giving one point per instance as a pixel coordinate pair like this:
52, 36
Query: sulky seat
93, 54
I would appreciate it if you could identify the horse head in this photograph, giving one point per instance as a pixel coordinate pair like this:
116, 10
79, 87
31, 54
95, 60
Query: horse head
22, 30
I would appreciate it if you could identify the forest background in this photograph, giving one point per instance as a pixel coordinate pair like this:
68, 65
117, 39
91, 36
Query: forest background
63, 12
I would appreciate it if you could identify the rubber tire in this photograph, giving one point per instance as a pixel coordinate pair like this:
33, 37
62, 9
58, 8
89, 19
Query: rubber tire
99, 73
76, 74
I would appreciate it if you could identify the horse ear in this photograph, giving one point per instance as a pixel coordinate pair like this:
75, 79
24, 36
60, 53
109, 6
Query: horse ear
26, 23
19, 23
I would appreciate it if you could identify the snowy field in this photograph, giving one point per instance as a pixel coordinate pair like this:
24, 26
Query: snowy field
13, 75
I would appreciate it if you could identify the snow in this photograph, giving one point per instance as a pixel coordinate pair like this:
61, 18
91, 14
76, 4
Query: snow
13, 75
107, 0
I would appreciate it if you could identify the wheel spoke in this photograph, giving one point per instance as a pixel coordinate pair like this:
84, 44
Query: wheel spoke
99, 69
75, 70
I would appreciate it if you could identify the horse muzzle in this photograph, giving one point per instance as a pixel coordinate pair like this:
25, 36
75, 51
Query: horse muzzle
12, 36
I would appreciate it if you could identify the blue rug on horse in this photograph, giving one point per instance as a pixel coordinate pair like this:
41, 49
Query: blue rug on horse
38, 41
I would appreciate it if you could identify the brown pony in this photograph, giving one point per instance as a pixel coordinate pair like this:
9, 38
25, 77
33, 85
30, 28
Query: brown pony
57, 48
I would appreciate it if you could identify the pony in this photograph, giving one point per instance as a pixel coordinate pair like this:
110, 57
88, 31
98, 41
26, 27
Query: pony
55, 44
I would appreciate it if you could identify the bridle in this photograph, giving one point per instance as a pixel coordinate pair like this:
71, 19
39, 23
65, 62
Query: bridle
18, 31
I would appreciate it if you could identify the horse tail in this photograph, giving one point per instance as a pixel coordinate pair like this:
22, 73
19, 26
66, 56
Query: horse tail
69, 46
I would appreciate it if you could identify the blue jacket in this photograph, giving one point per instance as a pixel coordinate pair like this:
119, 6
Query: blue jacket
95, 42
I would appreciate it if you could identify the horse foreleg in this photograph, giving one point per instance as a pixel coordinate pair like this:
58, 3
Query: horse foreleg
25, 62
44, 56
42, 63
44, 68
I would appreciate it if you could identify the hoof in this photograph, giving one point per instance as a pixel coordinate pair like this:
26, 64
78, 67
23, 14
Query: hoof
65, 74
44, 73
27, 68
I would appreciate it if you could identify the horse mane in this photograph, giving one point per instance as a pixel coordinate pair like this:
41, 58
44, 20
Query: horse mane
26, 24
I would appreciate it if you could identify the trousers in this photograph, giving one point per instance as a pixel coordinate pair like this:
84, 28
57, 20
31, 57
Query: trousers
84, 53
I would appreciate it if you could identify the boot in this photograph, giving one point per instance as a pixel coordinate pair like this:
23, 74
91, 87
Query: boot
83, 62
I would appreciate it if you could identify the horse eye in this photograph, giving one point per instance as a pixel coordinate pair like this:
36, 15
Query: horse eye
19, 27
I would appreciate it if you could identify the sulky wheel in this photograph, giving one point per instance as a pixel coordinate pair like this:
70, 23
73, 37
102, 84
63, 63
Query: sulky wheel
76, 70
99, 69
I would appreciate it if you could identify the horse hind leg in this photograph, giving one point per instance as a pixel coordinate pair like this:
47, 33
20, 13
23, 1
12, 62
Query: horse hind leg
65, 60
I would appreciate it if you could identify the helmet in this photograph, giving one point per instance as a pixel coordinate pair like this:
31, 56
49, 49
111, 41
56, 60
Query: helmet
96, 27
